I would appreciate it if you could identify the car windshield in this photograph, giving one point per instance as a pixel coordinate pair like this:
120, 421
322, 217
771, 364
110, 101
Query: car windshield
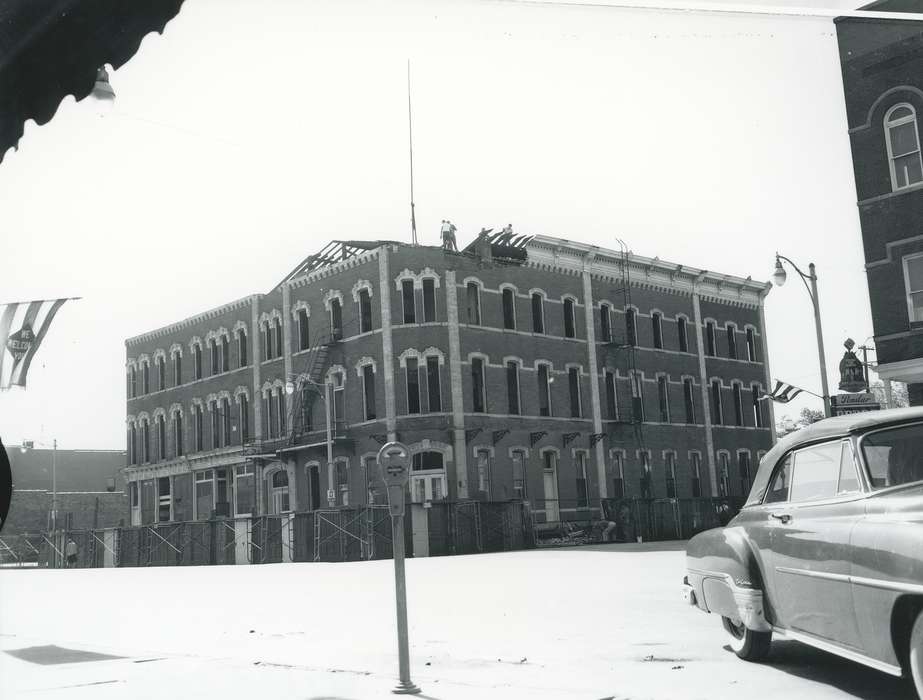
894, 456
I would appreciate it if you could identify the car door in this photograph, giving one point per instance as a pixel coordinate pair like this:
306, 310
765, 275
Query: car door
811, 544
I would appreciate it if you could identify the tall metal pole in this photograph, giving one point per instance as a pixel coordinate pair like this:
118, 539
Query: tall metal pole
413, 217
865, 368
331, 492
54, 485
405, 685
820, 341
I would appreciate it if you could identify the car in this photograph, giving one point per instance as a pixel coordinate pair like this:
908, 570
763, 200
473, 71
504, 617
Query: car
828, 547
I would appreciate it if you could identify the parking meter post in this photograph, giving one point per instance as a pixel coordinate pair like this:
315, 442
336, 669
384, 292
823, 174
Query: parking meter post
394, 462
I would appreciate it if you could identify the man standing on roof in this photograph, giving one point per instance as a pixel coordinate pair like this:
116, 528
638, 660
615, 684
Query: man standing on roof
508, 230
448, 236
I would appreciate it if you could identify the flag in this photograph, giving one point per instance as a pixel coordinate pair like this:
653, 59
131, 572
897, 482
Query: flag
23, 326
783, 393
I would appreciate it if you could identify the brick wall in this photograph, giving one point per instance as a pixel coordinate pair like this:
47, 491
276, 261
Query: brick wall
30, 509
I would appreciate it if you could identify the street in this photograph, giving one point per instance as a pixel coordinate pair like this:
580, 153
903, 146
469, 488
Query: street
590, 622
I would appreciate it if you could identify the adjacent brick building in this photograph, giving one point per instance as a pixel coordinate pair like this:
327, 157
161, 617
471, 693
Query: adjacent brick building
537, 369
882, 65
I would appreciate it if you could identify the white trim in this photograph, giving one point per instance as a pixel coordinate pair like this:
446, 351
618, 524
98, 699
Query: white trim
904, 260
912, 119
330, 295
363, 362
296, 307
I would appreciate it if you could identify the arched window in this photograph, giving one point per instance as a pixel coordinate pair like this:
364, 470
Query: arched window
509, 308
631, 333
732, 340
538, 313
427, 482
474, 303
570, 321
903, 146
241, 347
681, 334
657, 328
278, 492
605, 324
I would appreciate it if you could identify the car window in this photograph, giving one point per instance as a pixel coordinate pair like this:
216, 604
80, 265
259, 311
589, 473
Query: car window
849, 478
816, 472
894, 456
778, 489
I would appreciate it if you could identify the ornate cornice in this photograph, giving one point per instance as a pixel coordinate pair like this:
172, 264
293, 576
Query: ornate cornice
192, 320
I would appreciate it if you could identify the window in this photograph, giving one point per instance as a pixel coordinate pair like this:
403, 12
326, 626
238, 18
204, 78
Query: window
433, 387
710, 338
267, 340
743, 468
216, 424
407, 295
781, 481
724, 481
751, 345
663, 393
280, 412
478, 387
145, 441
637, 397
570, 323
512, 387
197, 361
177, 369
161, 373
583, 495
738, 405
242, 347
278, 341
483, 462
509, 309
306, 420
204, 494
339, 399
732, 341
573, 382
670, 472
544, 390
631, 331
611, 396
618, 476
365, 311
342, 483
429, 300
519, 474
226, 420
368, 389
161, 437
657, 329
681, 333
178, 434
304, 330
244, 490
413, 386
336, 319
164, 498
893, 456
278, 492
132, 383
605, 323
133, 493
225, 354
145, 378
696, 473
244, 418
913, 283
689, 400
474, 304
756, 393
816, 472
132, 444
903, 146
213, 352
717, 414
198, 428
645, 475
538, 313
427, 461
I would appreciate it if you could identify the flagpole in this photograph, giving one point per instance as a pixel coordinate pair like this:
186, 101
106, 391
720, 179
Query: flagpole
33, 301
413, 218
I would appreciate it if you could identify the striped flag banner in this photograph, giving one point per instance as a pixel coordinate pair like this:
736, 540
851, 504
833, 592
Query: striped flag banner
23, 326
783, 393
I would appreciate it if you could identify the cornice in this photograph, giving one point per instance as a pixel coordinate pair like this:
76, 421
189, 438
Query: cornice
198, 318
335, 269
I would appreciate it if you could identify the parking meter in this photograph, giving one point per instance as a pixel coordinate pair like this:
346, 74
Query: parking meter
394, 462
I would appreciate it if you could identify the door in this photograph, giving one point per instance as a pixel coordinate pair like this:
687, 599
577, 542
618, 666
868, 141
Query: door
810, 536
550, 479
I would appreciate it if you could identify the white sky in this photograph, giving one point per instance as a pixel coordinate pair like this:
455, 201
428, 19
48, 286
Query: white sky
251, 133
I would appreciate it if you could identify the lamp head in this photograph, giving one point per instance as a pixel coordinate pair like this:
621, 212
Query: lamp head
102, 90
779, 276
289, 387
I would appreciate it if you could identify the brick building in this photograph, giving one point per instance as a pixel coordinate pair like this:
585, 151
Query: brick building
882, 66
521, 368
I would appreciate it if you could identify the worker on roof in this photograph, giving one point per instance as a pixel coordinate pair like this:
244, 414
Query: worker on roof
508, 230
448, 236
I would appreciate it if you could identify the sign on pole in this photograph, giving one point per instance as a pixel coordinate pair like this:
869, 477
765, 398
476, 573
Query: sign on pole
842, 404
394, 463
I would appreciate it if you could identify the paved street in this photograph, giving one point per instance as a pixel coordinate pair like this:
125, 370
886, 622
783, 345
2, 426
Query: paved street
590, 622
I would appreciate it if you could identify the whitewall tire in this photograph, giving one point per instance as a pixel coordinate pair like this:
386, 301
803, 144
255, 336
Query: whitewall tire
747, 644
915, 657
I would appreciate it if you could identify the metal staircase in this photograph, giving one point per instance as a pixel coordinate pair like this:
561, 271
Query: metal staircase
309, 387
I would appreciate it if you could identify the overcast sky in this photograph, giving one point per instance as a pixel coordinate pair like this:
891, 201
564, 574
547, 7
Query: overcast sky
250, 133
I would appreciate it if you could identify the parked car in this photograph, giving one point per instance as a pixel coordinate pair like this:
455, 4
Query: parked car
828, 548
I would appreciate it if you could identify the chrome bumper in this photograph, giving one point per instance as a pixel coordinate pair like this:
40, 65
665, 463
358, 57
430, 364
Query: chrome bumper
688, 594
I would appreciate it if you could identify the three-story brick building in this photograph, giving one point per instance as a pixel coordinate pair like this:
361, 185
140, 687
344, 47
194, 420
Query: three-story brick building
537, 369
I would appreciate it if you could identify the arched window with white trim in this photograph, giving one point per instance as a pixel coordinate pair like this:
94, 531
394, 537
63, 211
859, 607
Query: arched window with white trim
903, 142
279, 492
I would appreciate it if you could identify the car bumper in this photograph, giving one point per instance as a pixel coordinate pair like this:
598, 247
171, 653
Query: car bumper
688, 594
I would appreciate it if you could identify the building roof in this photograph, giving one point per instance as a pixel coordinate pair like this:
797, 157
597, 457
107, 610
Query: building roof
893, 6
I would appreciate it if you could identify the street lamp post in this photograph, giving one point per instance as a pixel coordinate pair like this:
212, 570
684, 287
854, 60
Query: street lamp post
778, 277
290, 389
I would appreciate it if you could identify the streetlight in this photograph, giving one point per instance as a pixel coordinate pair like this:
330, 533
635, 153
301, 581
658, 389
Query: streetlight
290, 389
29, 445
778, 277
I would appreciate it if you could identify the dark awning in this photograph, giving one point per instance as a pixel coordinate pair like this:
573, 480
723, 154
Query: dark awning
52, 48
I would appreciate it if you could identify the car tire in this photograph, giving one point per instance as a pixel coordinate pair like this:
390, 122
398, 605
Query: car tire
748, 644
915, 656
